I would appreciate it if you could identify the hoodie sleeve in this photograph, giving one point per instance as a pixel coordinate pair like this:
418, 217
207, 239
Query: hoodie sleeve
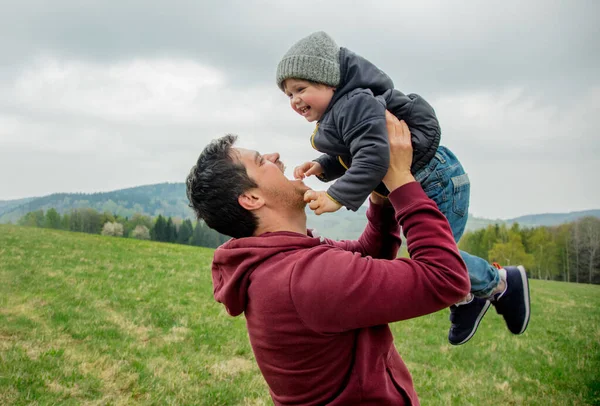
332, 168
380, 238
335, 290
361, 122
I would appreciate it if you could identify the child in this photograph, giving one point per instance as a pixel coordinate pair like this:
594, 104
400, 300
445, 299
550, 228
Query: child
347, 96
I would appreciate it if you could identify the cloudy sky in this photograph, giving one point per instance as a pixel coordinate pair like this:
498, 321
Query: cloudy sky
102, 95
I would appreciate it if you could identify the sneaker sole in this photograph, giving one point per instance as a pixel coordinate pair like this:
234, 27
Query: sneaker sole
526, 295
481, 314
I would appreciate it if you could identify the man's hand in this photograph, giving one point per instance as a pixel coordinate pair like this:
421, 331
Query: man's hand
308, 169
378, 200
320, 202
401, 153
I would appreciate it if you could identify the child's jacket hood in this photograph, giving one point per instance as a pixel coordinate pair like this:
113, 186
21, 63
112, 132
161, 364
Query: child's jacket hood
235, 261
358, 73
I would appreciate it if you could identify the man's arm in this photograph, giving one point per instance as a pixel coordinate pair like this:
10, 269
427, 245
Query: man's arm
336, 290
381, 236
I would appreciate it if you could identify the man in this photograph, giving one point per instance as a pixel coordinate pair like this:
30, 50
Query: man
317, 310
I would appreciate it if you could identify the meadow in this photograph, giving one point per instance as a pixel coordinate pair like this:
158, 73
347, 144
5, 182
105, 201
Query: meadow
87, 319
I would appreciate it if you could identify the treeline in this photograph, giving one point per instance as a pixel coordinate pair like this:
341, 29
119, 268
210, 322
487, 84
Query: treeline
151, 200
569, 252
163, 229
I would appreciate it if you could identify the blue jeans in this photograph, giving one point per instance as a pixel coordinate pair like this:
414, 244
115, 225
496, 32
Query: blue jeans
445, 182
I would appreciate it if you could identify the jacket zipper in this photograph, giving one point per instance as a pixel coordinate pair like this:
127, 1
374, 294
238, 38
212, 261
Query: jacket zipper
312, 137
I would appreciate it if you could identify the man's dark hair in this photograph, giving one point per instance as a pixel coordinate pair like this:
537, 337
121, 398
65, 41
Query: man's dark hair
214, 185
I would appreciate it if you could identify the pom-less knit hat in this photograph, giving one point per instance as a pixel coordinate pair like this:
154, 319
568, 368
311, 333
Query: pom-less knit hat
314, 58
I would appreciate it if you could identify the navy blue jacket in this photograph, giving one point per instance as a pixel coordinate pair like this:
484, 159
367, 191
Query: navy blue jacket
352, 133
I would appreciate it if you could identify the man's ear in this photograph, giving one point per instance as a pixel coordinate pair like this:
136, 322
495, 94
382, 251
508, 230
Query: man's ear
251, 200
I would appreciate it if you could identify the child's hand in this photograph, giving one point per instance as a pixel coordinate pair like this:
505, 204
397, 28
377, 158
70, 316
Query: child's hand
320, 202
308, 169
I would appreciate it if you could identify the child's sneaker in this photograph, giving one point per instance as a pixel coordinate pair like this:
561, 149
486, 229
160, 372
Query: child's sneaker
513, 304
465, 318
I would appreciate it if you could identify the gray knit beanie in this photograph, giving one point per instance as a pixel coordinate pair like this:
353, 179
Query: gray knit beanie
314, 58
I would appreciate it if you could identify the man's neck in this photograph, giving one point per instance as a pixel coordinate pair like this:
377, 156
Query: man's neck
274, 222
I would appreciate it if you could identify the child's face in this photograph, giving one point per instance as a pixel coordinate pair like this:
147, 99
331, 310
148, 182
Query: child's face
308, 99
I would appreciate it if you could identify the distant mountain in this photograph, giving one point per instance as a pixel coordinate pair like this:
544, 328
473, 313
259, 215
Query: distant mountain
552, 219
169, 199
6, 205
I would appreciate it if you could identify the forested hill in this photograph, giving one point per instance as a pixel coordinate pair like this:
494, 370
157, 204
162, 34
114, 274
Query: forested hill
7, 205
533, 220
169, 199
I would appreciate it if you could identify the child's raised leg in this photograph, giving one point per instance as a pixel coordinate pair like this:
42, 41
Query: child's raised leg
446, 183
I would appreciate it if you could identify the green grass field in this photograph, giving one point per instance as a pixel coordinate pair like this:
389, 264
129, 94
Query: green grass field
86, 319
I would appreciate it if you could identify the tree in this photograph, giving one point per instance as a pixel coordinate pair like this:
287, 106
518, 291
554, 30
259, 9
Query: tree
118, 229
471, 242
544, 253
511, 252
33, 219
141, 219
92, 221
578, 247
197, 235
75, 221
185, 232
52, 219
515, 228
170, 231
136, 220
562, 237
491, 236
206, 237
112, 228
212, 239
158, 232
590, 227
108, 228
526, 235
86, 221
141, 232
65, 222
107, 217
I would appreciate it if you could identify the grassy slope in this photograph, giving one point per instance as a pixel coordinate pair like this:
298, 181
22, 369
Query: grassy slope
96, 320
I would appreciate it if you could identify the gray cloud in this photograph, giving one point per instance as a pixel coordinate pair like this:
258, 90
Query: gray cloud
431, 44
97, 95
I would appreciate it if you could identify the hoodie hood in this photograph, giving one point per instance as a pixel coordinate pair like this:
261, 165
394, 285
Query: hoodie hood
358, 73
235, 261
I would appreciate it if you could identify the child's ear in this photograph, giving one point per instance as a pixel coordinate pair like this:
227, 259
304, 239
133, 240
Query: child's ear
251, 200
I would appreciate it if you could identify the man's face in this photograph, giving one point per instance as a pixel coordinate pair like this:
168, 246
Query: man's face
267, 171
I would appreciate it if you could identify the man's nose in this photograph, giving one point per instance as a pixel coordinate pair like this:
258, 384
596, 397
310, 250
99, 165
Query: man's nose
273, 157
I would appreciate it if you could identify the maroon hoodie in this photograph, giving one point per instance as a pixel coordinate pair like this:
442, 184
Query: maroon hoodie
317, 310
